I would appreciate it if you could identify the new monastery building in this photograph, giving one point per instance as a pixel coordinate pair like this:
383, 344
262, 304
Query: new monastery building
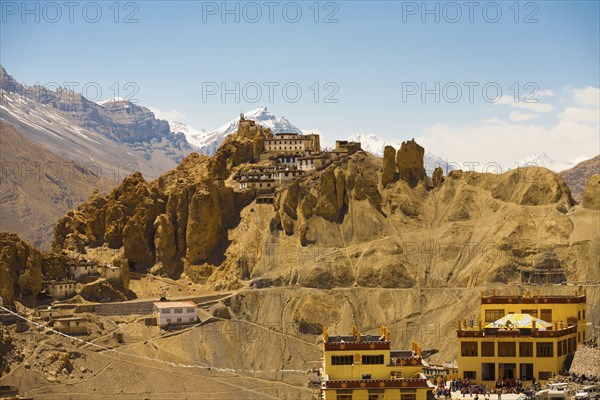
521, 337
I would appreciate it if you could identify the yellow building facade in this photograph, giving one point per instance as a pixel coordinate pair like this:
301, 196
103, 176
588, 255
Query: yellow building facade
521, 337
365, 368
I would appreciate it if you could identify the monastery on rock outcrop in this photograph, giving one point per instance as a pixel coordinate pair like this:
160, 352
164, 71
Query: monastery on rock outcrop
285, 157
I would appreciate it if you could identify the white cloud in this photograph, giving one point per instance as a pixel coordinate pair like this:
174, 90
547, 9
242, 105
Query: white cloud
590, 96
496, 145
170, 115
535, 107
547, 93
518, 116
579, 114
494, 120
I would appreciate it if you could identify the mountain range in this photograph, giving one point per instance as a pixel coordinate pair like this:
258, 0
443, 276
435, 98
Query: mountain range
110, 139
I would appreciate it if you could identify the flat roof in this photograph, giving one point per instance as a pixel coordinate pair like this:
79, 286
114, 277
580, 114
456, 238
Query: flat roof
172, 304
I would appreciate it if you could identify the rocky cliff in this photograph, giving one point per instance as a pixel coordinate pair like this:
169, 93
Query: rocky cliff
179, 220
20, 268
339, 227
591, 194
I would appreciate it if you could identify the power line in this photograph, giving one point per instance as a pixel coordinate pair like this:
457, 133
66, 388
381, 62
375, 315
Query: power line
172, 364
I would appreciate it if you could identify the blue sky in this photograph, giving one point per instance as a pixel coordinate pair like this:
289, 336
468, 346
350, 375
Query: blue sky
375, 52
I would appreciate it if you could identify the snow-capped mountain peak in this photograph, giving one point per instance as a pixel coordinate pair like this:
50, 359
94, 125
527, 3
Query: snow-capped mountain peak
208, 142
544, 160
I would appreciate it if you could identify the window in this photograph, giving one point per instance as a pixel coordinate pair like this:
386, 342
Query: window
488, 349
545, 375
469, 375
190, 310
545, 349
166, 311
531, 312
468, 349
493, 315
565, 348
578, 315
178, 311
376, 396
526, 349
168, 320
507, 349
374, 359
412, 395
191, 319
583, 314
488, 371
343, 396
546, 315
178, 319
342, 360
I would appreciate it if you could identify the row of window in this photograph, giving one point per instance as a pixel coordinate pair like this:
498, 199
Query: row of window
349, 360
375, 394
509, 349
285, 148
178, 310
488, 372
278, 141
169, 320
496, 314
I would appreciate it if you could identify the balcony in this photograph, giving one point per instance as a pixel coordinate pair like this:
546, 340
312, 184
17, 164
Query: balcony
499, 333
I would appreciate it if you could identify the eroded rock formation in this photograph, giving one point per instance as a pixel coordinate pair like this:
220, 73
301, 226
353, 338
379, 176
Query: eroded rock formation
389, 166
591, 194
409, 160
20, 268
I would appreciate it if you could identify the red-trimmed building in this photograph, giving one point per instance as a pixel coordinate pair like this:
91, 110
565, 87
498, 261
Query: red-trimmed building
365, 367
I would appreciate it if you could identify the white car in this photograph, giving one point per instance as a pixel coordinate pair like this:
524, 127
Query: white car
591, 392
558, 391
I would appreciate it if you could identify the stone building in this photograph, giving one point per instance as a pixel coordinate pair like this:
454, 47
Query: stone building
293, 143
80, 269
60, 289
344, 148
313, 162
112, 273
546, 269
71, 325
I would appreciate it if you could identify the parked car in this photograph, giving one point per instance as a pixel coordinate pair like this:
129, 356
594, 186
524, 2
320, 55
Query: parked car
559, 391
591, 392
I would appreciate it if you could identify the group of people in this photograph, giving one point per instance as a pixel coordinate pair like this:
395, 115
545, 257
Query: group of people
475, 391
593, 343
581, 378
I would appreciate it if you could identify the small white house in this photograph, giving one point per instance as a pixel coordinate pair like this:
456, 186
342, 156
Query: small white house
175, 312
60, 289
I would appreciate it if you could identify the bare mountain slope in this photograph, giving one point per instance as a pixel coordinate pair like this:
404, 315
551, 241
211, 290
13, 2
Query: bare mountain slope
37, 187
578, 176
114, 138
